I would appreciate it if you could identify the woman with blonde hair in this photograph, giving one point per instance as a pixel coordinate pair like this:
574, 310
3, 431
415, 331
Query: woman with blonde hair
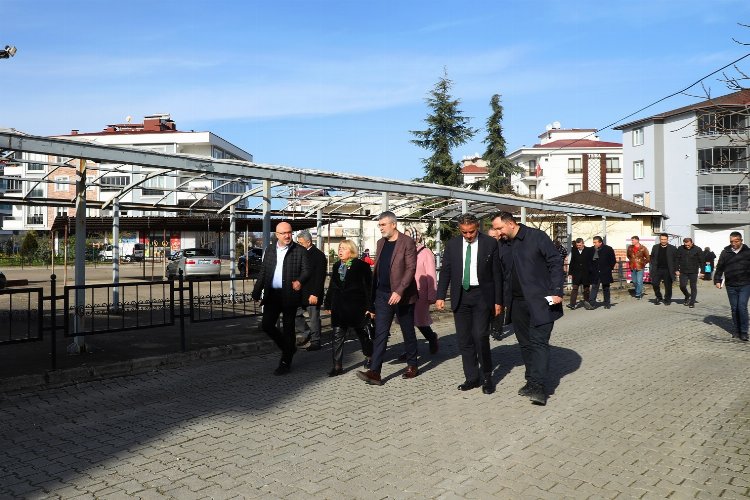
347, 301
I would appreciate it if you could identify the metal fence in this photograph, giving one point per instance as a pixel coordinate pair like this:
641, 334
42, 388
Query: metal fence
96, 309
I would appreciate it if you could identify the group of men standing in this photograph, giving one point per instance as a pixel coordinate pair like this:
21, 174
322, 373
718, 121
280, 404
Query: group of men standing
591, 268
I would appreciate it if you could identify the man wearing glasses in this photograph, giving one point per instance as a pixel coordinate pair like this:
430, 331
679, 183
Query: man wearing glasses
285, 268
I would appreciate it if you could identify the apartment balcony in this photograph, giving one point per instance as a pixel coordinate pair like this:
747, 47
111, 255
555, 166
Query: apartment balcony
531, 175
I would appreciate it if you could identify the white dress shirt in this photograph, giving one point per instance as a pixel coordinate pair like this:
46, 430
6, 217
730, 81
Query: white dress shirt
473, 279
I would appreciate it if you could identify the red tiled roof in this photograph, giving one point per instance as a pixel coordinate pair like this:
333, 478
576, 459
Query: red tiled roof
740, 98
578, 144
474, 169
603, 200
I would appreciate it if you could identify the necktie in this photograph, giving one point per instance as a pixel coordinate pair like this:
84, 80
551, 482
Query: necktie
467, 268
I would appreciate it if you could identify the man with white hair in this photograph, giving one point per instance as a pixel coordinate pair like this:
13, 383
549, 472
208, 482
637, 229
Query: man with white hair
312, 292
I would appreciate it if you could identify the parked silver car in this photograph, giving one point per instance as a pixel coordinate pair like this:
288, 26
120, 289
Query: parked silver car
194, 262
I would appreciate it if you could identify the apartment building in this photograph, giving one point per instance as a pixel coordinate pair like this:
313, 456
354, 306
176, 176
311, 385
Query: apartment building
691, 164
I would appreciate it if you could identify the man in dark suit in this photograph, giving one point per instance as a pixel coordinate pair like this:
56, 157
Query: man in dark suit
282, 274
471, 267
533, 280
312, 292
578, 269
603, 260
662, 268
394, 293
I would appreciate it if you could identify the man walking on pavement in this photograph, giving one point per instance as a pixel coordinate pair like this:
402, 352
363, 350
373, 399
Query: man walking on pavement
471, 267
312, 292
394, 294
283, 272
689, 265
663, 268
637, 260
578, 269
533, 280
734, 268
603, 261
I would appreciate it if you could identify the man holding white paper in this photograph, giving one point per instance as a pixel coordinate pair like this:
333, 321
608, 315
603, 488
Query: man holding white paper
533, 279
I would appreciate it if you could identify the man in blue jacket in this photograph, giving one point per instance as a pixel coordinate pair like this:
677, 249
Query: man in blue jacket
533, 279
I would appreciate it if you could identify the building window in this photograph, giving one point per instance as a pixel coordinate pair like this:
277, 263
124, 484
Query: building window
638, 199
14, 185
36, 190
61, 183
614, 190
154, 186
90, 186
638, 137
728, 122
639, 171
61, 212
532, 191
113, 182
717, 198
35, 215
613, 165
723, 160
574, 166
572, 188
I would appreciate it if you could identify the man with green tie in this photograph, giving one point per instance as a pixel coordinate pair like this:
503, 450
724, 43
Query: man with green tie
471, 267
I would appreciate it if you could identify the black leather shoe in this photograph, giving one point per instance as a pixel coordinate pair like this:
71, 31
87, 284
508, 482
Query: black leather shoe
607, 306
667, 302
587, 305
335, 372
314, 346
537, 395
283, 368
743, 337
657, 302
571, 306
525, 390
488, 387
691, 305
467, 386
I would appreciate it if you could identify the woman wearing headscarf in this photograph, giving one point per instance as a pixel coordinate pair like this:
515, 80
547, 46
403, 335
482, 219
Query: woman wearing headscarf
347, 301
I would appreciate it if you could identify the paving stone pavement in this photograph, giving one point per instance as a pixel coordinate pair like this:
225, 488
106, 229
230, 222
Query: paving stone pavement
647, 401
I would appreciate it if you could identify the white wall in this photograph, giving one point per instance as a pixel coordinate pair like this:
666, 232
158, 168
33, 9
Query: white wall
680, 178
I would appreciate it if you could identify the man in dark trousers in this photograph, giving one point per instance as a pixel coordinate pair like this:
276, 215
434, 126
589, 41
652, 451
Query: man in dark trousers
688, 266
282, 274
733, 273
312, 292
578, 269
533, 280
471, 267
394, 294
603, 261
662, 268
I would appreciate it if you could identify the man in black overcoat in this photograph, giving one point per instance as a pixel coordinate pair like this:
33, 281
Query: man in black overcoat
578, 269
282, 274
603, 261
662, 267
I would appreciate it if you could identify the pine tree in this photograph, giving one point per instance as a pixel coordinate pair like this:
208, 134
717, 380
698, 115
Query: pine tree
446, 129
499, 167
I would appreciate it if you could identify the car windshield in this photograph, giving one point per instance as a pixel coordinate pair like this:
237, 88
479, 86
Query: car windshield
199, 252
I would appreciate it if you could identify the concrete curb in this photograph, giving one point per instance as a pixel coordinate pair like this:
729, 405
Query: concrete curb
71, 376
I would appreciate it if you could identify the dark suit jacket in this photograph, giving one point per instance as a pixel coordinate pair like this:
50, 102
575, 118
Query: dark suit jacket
671, 258
403, 269
580, 262
295, 268
349, 300
600, 269
540, 272
318, 269
488, 271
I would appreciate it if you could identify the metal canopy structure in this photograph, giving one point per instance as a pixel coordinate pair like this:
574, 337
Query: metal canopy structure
332, 193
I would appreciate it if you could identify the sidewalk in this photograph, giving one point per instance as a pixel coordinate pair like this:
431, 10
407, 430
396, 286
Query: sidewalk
647, 401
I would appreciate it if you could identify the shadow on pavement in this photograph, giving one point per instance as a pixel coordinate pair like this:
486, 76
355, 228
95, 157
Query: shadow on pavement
562, 362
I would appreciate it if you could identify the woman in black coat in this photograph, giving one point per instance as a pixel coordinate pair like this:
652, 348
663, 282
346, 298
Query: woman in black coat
347, 300
710, 259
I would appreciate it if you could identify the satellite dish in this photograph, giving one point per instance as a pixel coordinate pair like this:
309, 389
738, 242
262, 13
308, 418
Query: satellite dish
555, 125
548, 127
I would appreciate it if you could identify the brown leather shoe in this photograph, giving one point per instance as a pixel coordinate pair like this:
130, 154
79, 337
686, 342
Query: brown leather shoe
371, 377
411, 372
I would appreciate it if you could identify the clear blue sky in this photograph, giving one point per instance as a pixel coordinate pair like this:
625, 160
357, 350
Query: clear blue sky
338, 85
